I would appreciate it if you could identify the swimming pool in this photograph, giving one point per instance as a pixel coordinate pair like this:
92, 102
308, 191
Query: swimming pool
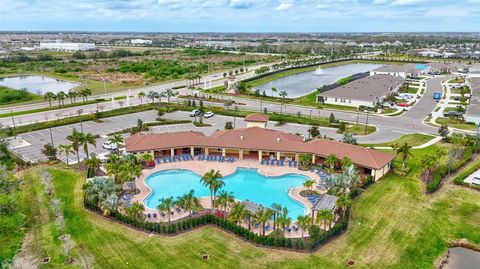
421, 66
245, 183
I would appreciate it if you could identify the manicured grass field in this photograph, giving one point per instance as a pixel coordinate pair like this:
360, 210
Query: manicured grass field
451, 122
411, 139
393, 225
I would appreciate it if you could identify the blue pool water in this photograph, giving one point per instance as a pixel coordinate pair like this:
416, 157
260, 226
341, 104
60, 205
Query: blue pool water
244, 183
421, 66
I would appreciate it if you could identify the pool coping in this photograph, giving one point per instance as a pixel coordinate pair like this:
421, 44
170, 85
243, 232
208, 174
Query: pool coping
293, 193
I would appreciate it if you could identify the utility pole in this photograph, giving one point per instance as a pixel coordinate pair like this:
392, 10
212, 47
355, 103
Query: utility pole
358, 112
51, 136
366, 122
13, 120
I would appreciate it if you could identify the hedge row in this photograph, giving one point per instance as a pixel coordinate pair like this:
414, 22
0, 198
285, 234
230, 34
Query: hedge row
298, 244
458, 179
443, 170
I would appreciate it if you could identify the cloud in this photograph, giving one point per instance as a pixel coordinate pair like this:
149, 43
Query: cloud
406, 2
242, 4
283, 6
380, 2
447, 11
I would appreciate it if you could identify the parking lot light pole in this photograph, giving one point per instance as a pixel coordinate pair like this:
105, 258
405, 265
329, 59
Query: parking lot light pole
13, 120
51, 136
366, 122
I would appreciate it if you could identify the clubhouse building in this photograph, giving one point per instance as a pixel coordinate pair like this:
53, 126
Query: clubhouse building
256, 144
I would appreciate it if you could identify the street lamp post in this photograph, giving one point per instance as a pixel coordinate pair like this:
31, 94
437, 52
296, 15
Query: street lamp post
51, 136
366, 122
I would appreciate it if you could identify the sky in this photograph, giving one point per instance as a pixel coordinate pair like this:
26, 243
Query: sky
241, 15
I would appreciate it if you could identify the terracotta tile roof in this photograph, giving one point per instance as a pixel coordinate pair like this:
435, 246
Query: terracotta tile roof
256, 138
257, 117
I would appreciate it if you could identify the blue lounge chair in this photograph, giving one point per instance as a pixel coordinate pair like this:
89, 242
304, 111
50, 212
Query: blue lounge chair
262, 162
294, 228
294, 163
282, 163
214, 158
190, 157
169, 159
267, 228
148, 215
157, 160
287, 229
289, 163
221, 159
257, 225
164, 159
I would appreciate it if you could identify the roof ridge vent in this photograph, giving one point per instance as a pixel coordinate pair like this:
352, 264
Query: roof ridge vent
241, 137
278, 139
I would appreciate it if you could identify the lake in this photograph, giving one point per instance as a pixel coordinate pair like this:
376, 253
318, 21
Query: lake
37, 84
301, 84
463, 258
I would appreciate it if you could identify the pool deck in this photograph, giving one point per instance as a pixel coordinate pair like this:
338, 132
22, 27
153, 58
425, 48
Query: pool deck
225, 168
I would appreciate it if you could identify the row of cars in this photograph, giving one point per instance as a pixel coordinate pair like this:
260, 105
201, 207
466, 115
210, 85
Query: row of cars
196, 113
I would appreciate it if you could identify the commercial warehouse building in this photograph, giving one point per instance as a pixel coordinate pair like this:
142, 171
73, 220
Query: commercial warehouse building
368, 91
70, 47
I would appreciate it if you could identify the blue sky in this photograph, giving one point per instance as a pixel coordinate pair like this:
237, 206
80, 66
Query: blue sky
241, 15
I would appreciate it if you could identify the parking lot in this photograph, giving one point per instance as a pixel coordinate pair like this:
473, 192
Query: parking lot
33, 142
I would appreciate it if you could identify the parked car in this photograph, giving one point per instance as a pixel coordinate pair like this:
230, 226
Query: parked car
194, 113
109, 146
403, 105
452, 114
209, 114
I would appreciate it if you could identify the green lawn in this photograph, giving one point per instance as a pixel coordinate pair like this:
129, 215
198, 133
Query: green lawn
411, 139
393, 224
451, 122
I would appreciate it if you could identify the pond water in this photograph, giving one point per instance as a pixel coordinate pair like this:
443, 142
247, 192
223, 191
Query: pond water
301, 84
463, 258
37, 84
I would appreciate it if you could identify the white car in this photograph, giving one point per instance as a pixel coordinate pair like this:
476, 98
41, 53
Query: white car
195, 113
109, 146
209, 114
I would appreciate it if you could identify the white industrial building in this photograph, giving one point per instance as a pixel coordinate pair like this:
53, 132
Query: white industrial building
138, 42
70, 47
368, 91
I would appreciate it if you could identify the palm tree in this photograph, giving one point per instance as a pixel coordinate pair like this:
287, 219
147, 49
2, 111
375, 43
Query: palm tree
61, 97
330, 162
284, 221
343, 202
113, 166
274, 90
117, 140
76, 139
49, 96
67, 150
213, 181
110, 204
85, 93
166, 204
346, 162
404, 152
170, 93
322, 217
87, 139
141, 95
277, 209
73, 95
428, 163
309, 183
237, 213
262, 216
189, 202
303, 222
283, 94
146, 158
136, 211
225, 199
93, 163
152, 95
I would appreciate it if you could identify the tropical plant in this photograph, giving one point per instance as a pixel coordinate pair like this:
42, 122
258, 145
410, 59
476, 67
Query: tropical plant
152, 95
117, 140
212, 180
49, 96
109, 204
93, 163
284, 221
61, 97
313, 131
238, 213
225, 199
404, 152
348, 138
67, 150
428, 163
136, 211
76, 138
277, 210
308, 183
283, 94
146, 158
342, 203
166, 205
303, 222
331, 161
88, 139
262, 216
170, 93
98, 189
343, 183
346, 163
85, 93
326, 217
50, 152
189, 202
141, 95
